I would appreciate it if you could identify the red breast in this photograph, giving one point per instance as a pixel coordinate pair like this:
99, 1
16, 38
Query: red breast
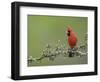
72, 39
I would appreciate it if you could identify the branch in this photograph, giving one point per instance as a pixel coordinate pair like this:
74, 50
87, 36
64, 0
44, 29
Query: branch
52, 53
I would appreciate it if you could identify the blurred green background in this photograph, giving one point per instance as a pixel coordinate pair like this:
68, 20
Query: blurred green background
44, 29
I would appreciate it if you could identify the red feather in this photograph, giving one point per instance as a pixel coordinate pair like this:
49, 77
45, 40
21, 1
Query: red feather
72, 39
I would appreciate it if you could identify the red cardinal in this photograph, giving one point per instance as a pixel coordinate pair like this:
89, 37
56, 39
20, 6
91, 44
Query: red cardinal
72, 39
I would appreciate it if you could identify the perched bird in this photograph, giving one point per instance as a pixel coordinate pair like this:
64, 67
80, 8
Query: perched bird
72, 38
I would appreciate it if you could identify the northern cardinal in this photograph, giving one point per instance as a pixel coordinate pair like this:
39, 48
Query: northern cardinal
72, 39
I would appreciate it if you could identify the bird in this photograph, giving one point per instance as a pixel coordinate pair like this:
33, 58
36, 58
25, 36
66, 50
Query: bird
72, 38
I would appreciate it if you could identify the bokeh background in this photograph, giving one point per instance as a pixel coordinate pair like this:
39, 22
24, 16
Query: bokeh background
43, 30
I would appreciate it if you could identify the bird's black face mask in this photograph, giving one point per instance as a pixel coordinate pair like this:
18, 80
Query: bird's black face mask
68, 33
